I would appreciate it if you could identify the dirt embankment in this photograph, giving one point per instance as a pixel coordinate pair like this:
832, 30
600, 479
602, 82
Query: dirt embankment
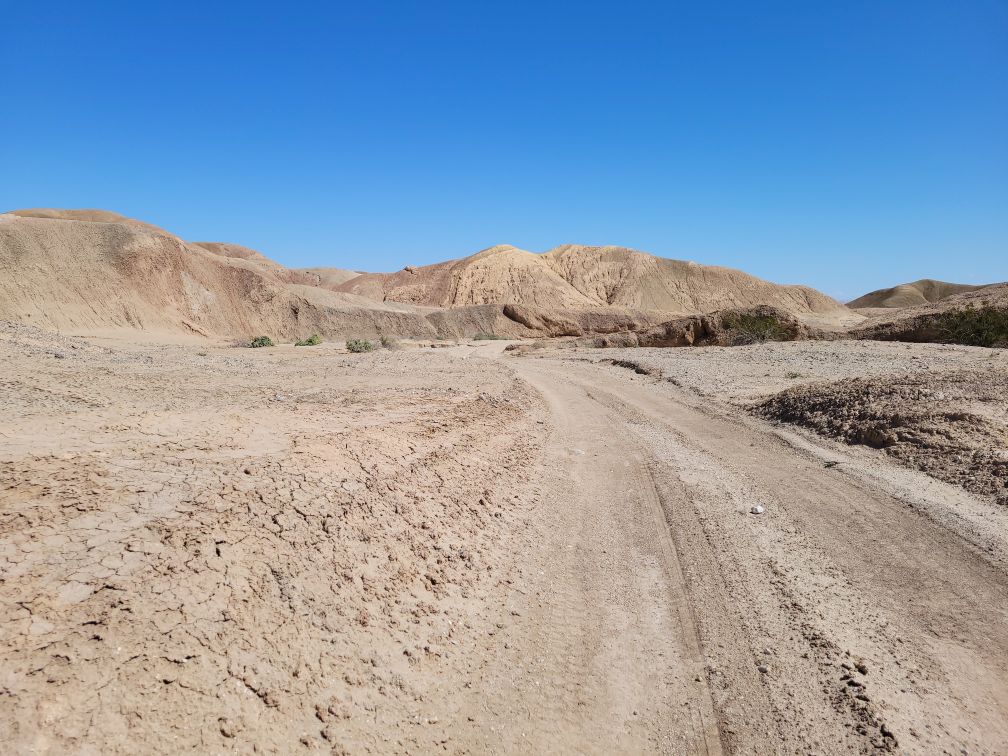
952, 425
732, 327
974, 318
245, 550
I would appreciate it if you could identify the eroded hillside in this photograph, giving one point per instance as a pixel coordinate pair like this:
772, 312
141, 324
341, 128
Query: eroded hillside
575, 276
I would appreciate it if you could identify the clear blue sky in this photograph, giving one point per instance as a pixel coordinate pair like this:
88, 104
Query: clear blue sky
846, 145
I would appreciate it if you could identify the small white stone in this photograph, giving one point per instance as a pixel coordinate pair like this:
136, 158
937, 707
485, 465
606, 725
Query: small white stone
758, 509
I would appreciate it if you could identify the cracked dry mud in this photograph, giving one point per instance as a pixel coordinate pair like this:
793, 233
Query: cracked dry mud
221, 552
451, 550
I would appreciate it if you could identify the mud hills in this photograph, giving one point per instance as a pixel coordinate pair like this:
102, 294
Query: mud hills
89, 270
922, 292
575, 277
94, 275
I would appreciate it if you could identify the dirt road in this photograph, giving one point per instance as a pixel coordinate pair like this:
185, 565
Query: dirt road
863, 610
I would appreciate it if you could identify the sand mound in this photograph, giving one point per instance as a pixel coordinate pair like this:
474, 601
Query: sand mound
575, 277
978, 317
925, 291
563, 322
952, 425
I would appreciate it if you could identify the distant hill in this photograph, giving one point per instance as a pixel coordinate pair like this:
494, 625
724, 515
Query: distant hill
576, 277
925, 291
977, 317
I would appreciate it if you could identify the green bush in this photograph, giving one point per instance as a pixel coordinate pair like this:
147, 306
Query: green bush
312, 340
261, 341
359, 345
974, 326
488, 337
749, 329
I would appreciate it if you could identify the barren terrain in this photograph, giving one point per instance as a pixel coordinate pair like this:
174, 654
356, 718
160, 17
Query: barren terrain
491, 535
459, 549
91, 270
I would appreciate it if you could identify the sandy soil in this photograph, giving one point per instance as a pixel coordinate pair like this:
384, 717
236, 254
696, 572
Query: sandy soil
457, 550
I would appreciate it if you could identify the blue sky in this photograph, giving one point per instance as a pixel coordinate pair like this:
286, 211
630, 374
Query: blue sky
844, 145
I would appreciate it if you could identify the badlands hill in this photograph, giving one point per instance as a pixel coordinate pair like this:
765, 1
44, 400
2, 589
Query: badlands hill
978, 317
576, 277
78, 271
923, 292
92, 270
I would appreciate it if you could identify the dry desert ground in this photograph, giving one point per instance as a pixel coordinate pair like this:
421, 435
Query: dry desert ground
467, 549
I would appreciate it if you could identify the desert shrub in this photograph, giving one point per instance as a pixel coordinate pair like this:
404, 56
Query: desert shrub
359, 345
261, 341
750, 329
974, 326
488, 337
792, 375
312, 340
390, 342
